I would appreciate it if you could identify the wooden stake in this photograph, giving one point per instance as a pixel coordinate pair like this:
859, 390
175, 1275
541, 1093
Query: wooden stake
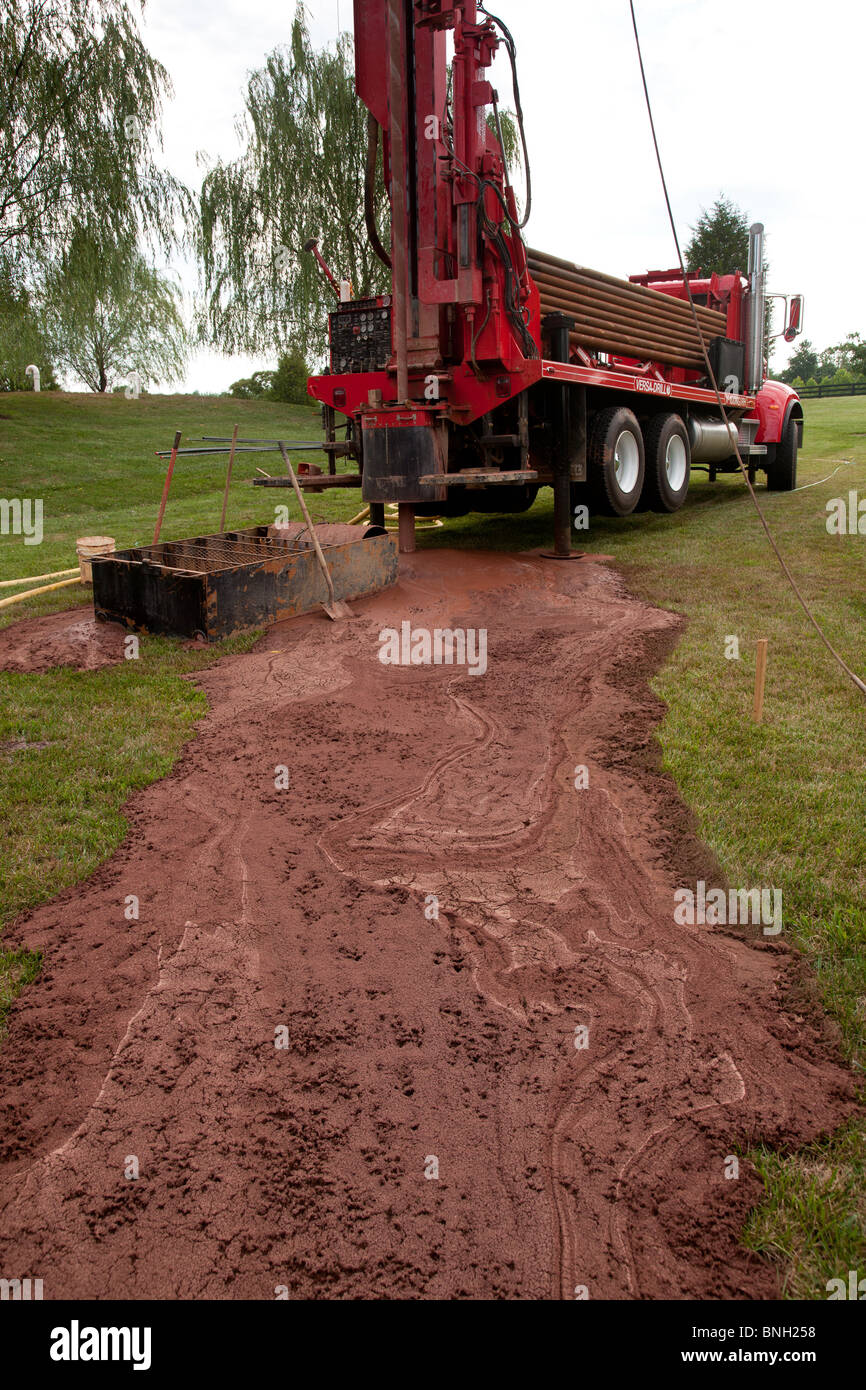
228, 478
760, 679
174, 448
336, 608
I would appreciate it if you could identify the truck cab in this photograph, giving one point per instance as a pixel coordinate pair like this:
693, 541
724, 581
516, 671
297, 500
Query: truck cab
769, 435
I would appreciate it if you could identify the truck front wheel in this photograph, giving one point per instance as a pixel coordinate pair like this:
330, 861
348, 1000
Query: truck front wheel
615, 462
782, 472
668, 464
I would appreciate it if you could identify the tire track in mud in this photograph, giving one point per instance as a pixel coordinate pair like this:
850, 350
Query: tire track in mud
560, 1166
654, 979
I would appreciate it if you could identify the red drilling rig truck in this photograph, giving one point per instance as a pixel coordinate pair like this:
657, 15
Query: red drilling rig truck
491, 369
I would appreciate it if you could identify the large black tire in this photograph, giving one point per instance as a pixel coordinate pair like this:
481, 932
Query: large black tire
668, 464
615, 462
782, 472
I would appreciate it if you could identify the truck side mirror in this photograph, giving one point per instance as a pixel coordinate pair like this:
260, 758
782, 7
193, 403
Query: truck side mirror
794, 326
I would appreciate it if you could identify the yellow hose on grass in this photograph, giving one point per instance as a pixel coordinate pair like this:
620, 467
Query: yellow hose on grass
423, 523
35, 578
43, 589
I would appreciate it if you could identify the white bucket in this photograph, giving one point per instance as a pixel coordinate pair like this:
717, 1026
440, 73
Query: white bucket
87, 547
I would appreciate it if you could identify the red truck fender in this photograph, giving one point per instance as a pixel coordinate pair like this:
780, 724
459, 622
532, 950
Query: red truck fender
776, 404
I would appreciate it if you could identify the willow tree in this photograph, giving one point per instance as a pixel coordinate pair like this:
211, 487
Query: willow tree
301, 175
80, 102
110, 314
22, 337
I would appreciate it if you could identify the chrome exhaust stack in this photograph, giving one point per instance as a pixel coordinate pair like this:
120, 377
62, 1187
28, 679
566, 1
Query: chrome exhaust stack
757, 303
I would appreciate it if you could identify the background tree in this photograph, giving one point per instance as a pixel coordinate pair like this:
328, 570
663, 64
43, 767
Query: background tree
109, 313
80, 100
803, 363
290, 379
288, 383
720, 243
848, 356
858, 358
255, 387
301, 175
22, 339
828, 364
719, 240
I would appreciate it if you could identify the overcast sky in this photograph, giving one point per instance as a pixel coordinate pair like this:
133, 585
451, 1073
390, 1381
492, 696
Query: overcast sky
760, 99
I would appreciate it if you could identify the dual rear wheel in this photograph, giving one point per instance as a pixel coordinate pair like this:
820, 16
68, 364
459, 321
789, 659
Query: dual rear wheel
627, 469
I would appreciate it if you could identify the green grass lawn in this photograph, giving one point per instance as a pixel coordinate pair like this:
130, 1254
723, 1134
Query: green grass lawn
92, 461
783, 803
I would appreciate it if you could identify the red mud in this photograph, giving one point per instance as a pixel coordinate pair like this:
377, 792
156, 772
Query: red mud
71, 638
407, 1038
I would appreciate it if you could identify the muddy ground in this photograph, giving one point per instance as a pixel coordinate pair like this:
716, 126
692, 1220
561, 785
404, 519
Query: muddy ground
71, 638
409, 1045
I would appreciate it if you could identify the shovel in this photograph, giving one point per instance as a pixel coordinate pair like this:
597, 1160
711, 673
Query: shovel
336, 608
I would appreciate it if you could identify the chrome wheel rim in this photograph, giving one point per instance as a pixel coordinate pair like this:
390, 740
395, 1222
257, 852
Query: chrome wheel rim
626, 462
675, 462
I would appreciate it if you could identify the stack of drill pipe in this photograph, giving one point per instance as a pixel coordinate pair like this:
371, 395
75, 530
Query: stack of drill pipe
616, 316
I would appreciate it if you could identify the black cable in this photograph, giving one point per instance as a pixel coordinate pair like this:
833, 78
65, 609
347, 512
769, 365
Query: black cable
494, 234
370, 190
861, 685
476, 334
511, 48
512, 276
